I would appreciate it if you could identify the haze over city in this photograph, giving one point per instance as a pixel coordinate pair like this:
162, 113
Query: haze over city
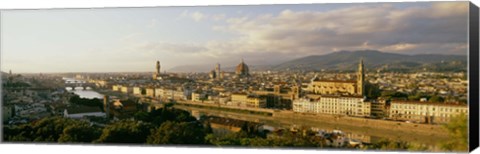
131, 39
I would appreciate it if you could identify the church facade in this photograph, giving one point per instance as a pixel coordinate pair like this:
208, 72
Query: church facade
350, 87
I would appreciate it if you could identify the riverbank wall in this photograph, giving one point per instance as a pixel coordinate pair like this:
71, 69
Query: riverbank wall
393, 126
425, 133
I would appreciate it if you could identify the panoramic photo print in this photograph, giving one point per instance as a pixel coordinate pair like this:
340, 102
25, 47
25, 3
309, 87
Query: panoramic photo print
350, 76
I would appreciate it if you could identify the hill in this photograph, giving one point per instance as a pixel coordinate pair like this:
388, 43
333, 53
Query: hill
348, 60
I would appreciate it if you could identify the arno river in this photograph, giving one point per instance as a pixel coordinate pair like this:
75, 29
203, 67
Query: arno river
87, 93
272, 122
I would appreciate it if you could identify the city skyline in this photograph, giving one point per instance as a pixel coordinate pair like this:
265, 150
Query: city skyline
131, 39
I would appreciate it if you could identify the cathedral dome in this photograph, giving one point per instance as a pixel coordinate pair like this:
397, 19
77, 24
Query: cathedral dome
242, 69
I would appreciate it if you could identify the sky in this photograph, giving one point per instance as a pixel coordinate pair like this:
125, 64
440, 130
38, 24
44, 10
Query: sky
133, 39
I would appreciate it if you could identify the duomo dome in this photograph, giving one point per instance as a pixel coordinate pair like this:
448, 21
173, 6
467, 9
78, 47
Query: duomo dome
242, 69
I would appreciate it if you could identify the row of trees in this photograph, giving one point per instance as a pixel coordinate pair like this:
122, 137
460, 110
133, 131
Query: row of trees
94, 102
163, 126
416, 96
373, 91
173, 126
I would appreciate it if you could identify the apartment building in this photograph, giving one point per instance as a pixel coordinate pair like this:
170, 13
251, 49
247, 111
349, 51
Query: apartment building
427, 112
338, 105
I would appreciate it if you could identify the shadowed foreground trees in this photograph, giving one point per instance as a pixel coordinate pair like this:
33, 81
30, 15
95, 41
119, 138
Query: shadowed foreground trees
79, 133
458, 129
52, 129
255, 139
174, 126
178, 133
125, 132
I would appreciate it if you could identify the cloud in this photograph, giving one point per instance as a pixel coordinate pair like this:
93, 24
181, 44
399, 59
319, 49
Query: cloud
199, 16
383, 26
269, 38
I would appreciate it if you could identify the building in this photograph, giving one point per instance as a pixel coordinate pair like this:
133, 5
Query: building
126, 90
159, 92
242, 70
138, 90
116, 87
242, 99
212, 75
80, 111
124, 108
218, 72
222, 126
425, 112
256, 102
199, 96
380, 108
349, 87
150, 92
337, 105
280, 97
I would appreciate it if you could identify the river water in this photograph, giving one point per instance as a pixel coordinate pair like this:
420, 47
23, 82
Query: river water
83, 93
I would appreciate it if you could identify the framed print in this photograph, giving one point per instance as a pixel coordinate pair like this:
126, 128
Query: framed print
382, 76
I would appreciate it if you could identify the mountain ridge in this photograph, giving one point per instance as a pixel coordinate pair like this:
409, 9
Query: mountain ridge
345, 60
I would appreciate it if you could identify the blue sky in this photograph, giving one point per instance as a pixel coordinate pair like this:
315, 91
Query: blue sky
132, 39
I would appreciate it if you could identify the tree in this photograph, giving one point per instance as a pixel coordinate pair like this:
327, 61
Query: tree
372, 90
94, 102
436, 99
51, 130
125, 132
157, 117
79, 133
393, 94
178, 133
208, 128
141, 116
458, 131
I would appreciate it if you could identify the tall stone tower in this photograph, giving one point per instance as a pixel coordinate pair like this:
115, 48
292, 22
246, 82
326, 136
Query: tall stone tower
158, 67
157, 70
217, 71
361, 79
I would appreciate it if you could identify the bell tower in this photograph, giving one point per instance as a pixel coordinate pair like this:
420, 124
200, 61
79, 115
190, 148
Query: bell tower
217, 71
157, 70
361, 79
158, 67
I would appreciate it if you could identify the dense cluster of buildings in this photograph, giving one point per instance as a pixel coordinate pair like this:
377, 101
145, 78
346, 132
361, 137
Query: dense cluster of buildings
25, 100
327, 95
335, 95
306, 92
